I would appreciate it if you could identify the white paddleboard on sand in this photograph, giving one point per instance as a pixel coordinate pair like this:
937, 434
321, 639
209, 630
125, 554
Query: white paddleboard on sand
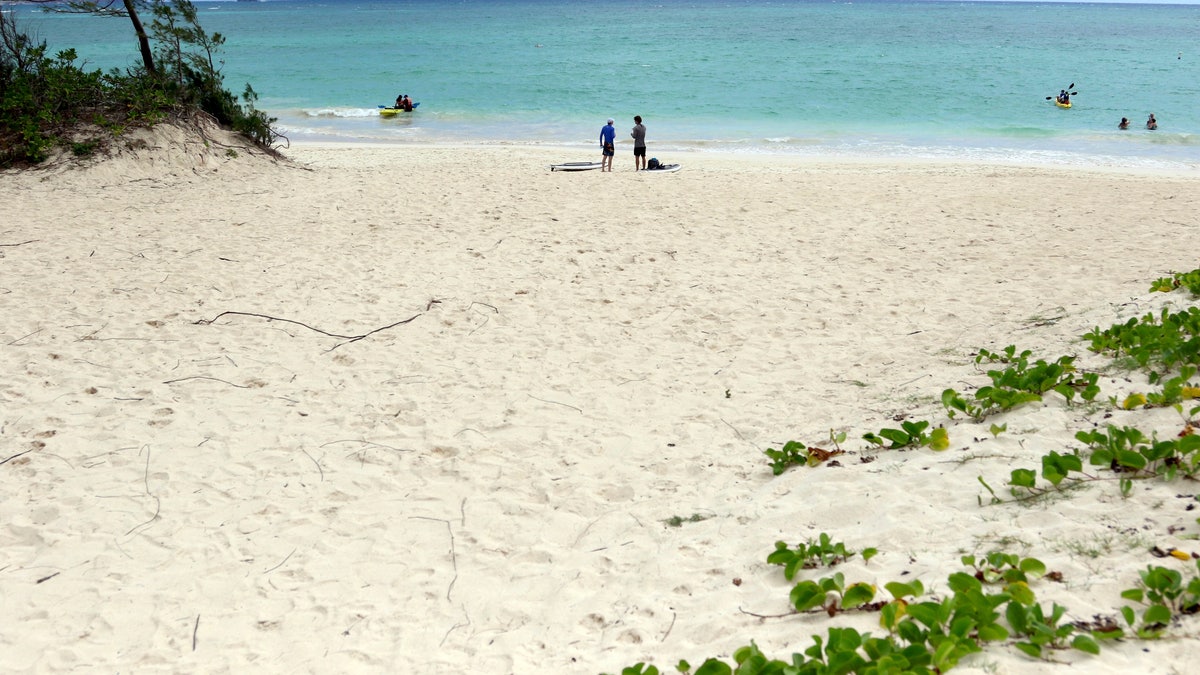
664, 168
575, 166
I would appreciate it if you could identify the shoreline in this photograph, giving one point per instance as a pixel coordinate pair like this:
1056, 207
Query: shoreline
711, 159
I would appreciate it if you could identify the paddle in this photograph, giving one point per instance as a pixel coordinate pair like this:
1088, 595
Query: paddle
1069, 93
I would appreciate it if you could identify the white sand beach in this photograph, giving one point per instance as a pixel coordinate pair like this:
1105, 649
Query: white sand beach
390, 409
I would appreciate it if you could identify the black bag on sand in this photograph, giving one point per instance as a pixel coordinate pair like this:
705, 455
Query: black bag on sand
653, 163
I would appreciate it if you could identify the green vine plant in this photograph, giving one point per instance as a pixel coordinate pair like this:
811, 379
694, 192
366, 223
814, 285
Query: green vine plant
1020, 383
910, 434
795, 453
1175, 391
1164, 596
823, 552
1188, 280
997, 566
1128, 453
1171, 339
993, 601
924, 635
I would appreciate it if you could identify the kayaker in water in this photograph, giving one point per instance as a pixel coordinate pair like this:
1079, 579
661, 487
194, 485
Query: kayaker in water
1124, 123
399, 102
407, 104
1152, 124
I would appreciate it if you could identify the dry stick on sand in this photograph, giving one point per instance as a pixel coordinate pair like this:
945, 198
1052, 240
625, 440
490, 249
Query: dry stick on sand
348, 338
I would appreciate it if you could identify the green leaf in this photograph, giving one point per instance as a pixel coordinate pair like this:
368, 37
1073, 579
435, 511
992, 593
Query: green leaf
900, 589
1017, 617
868, 553
961, 583
1033, 566
898, 438
993, 632
1021, 593
939, 439
891, 613
1157, 614
1085, 643
1131, 459
857, 595
806, 595
1030, 649
714, 667
1025, 478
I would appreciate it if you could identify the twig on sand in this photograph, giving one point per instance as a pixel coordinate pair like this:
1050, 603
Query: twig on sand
456, 627
21, 243
205, 377
12, 457
365, 442
664, 637
280, 563
314, 461
485, 318
195, 628
25, 336
348, 338
767, 616
565, 405
453, 553
157, 501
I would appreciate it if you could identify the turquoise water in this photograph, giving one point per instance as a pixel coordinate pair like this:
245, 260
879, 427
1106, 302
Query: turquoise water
895, 79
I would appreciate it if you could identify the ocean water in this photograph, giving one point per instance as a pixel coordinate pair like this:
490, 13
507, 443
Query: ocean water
879, 78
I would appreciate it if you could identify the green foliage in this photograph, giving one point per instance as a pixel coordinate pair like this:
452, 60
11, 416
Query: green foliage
1021, 382
1168, 340
923, 636
1129, 451
911, 434
994, 602
791, 454
1175, 390
1126, 451
794, 453
1165, 595
1000, 567
823, 552
1188, 280
50, 101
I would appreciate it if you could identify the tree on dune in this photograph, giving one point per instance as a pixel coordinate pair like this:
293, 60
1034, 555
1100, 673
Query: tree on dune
126, 8
48, 101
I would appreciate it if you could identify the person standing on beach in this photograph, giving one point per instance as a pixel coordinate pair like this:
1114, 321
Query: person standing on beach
639, 143
608, 139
